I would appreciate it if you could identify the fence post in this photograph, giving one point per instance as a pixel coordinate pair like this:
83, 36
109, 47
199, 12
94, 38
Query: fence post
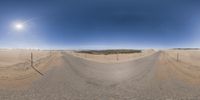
31, 59
117, 56
177, 58
33, 66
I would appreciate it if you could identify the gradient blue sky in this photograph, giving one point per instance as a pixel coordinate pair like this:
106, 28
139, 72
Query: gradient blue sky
100, 24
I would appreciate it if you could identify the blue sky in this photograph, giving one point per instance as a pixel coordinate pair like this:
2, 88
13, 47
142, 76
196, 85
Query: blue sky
100, 24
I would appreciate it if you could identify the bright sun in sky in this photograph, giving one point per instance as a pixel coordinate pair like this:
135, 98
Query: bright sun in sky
19, 26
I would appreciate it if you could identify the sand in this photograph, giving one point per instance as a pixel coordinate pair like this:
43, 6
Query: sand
113, 58
184, 64
15, 65
70, 76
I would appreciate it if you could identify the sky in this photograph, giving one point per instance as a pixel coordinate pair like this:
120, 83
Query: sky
100, 24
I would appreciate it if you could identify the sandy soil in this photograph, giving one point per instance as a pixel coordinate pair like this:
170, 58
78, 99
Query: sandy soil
190, 57
158, 76
15, 66
185, 64
11, 57
113, 58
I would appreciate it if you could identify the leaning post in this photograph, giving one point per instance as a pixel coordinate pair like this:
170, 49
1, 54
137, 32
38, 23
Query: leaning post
33, 66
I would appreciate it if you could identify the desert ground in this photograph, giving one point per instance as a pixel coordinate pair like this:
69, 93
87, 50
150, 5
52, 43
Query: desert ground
68, 75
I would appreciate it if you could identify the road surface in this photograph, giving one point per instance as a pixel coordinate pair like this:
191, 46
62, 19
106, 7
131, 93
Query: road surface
73, 78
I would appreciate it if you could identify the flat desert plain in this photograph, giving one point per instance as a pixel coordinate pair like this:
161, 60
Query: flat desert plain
68, 75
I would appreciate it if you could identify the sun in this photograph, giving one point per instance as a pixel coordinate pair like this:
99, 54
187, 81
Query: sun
19, 26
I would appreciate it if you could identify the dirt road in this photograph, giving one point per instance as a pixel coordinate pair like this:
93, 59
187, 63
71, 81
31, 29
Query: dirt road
71, 78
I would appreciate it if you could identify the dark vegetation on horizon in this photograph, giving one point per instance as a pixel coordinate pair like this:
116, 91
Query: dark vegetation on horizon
106, 52
186, 49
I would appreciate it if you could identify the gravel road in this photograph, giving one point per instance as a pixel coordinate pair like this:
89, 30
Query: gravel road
73, 78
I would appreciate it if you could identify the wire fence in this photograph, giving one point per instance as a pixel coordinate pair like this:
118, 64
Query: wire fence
26, 65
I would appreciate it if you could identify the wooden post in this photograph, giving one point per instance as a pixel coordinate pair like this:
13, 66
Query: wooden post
177, 58
33, 66
117, 56
31, 59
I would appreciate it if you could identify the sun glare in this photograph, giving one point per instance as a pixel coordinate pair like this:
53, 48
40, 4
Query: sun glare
19, 26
